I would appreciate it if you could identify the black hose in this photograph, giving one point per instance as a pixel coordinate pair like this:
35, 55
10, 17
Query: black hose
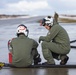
73, 46
72, 41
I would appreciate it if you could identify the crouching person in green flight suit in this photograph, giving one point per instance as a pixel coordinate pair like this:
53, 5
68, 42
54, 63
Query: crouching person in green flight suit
24, 49
56, 43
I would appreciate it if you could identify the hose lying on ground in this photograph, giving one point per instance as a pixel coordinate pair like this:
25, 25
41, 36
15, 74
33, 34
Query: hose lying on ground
73, 42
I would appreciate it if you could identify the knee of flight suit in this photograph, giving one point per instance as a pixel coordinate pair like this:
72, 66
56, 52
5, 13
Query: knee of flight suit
46, 53
44, 45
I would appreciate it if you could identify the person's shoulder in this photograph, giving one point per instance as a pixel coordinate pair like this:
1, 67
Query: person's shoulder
57, 25
31, 39
12, 39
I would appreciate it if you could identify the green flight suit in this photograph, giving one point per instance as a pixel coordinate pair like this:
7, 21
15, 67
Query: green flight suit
56, 41
22, 51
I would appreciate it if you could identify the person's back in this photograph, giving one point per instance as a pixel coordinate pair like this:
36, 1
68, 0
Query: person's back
24, 49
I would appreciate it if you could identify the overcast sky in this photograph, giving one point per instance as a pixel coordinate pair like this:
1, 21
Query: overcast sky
37, 7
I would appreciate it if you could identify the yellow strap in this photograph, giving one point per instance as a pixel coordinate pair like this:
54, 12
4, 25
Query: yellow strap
1, 64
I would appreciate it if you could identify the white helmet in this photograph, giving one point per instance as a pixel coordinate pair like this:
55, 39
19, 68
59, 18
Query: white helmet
47, 21
22, 29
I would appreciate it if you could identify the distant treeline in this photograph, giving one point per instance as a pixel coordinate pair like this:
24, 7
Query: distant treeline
67, 20
68, 15
7, 16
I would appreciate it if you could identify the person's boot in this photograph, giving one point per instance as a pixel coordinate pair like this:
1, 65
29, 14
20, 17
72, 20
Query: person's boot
64, 61
37, 59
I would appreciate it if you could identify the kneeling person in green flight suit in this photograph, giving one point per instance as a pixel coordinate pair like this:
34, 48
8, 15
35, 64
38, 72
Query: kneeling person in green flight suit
56, 43
24, 49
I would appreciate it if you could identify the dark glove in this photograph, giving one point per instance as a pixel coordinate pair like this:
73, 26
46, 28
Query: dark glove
40, 39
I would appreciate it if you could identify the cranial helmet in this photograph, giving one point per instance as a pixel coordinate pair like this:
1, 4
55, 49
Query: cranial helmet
47, 21
22, 29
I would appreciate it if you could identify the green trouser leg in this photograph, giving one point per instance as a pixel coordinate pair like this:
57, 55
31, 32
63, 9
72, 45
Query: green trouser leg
34, 52
49, 47
55, 48
36, 56
47, 55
